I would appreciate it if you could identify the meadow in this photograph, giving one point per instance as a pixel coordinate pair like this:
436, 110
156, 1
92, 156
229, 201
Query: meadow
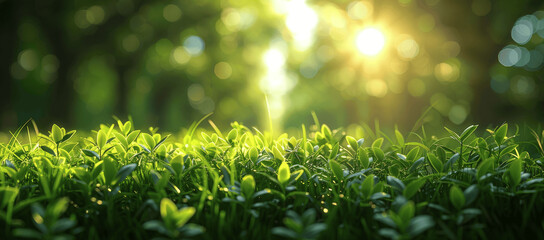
121, 183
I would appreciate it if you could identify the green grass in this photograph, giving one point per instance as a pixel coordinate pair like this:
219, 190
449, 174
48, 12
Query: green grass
122, 183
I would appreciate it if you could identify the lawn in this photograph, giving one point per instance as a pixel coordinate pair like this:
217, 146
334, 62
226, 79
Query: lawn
121, 183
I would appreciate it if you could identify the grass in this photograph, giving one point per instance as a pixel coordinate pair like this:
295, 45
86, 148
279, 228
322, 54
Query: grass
122, 183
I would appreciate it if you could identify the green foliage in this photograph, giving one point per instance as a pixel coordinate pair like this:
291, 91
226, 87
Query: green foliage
244, 184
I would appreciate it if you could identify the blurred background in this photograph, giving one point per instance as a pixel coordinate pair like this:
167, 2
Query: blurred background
168, 63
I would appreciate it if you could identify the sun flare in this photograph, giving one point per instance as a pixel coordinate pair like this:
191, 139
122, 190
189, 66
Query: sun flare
370, 41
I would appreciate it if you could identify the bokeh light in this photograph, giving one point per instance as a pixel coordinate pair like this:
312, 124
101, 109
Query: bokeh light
372, 59
370, 41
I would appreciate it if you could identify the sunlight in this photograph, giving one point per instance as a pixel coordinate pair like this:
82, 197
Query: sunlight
301, 20
370, 41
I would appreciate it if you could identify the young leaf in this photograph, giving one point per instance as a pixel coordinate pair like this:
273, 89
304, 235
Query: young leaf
367, 186
514, 172
159, 143
485, 167
336, 170
451, 162
253, 154
277, 154
362, 156
132, 136
412, 155
48, 150
406, 212
377, 143
457, 197
435, 162
394, 182
334, 151
248, 186
419, 224
233, 134
471, 193
400, 138
124, 172
177, 164
101, 139
500, 134
326, 131
378, 153
412, 188
168, 209
56, 133
91, 153
68, 135
352, 143
109, 169
121, 138
149, 140
452, 134
284, 173
467, 132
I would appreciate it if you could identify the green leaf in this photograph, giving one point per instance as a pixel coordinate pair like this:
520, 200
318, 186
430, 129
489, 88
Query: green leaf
68, 136
277, 154
508, 149
334, 151
109, 169
367, 186
248, 186
400, 138
420, 224
407, 212
378, 153
160, 143
435, 162
56, 133
471, 193
362, 156
485, 167
326, 131
127, 127
168, 209
451, 162
101, 139
467, 132
233, 134
124, 172
183, 215
149, 140
253, 154
48, 150
284, 173
412, 188
91, 153
132, 136
352, 143
7, 195
377, 143
453, 134
500, 134
412, 155
336, 170
397, 184
514, 171
121, 138
59, 207
457, 197
177, 164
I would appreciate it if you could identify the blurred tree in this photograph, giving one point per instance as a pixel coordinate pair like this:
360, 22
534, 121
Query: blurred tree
167, 63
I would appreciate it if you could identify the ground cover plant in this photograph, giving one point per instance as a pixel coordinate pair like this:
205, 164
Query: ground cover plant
121, 183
